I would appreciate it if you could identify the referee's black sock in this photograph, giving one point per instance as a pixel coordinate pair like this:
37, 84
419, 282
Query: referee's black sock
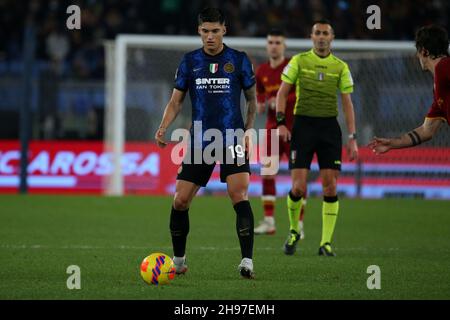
244, 227
179, 229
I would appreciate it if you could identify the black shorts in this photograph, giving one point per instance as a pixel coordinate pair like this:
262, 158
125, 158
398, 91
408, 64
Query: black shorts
311, 135
200, 173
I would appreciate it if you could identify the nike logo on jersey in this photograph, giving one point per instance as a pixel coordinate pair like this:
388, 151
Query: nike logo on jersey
196, 69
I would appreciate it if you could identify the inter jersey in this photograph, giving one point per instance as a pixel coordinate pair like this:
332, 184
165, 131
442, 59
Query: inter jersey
215, 84
268, 82
441, 100
317, 81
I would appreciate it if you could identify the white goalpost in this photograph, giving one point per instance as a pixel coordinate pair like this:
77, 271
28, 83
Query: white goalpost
140, 69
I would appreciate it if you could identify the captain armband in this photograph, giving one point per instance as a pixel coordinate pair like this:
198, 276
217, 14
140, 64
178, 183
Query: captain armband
415, 138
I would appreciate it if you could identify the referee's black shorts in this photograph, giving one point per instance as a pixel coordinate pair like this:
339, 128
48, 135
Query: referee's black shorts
200, 173
311, 135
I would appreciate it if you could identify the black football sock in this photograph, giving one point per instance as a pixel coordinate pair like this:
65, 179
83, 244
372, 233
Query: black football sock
179, 229
244, 227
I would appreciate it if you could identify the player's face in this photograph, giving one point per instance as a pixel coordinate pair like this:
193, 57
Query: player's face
423, 59
212, 35
322, 35
275, 46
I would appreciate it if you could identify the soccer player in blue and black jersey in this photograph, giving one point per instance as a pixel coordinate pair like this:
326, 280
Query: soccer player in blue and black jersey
215, 76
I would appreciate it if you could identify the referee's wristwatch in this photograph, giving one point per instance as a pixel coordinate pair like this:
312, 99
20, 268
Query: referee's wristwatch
281, 119
352, 136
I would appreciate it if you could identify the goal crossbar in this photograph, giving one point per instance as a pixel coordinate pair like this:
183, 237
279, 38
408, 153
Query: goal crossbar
115, 91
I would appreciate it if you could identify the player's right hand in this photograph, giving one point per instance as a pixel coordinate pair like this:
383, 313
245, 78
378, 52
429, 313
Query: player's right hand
159, 137
272, 103
380, 145
260, 108
284, 133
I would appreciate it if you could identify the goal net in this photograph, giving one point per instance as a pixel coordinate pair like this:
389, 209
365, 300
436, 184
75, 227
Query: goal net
392, 95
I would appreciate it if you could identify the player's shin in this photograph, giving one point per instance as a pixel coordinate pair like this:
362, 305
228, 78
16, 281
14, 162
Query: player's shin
294, 204
179, 229
302, 217
302, 211
244, 227
330, 209
268, 196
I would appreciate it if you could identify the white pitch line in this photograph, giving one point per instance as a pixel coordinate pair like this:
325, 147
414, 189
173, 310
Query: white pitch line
201, 248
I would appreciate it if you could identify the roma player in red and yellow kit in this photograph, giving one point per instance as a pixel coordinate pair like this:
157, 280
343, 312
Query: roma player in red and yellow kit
268, 81
432, 52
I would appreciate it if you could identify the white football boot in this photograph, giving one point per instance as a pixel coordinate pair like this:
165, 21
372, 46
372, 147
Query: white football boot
180, 264
246, 268
267, 226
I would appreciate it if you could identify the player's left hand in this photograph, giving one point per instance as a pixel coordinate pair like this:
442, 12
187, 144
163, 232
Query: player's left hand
352, 149
159, 137
284, 133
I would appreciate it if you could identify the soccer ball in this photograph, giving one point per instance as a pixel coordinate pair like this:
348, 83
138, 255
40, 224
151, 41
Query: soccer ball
157, 269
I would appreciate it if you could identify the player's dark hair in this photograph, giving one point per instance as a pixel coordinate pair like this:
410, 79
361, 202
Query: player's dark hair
276, 32
323, 21
434, 39
211, 15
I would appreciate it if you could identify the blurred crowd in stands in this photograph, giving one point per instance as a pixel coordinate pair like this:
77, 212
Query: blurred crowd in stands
79, 53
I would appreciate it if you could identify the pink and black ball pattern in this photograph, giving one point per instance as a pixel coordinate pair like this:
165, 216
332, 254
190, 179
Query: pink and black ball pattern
157, 269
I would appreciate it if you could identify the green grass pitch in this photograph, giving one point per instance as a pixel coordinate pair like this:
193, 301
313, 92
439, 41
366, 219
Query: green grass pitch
40, 236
